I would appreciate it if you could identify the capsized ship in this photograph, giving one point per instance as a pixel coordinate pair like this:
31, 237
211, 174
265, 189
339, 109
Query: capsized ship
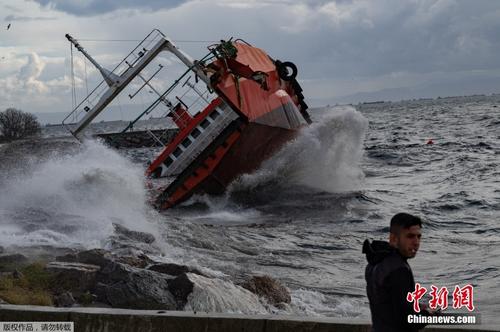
234, 108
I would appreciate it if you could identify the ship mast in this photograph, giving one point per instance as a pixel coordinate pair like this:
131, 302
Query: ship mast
109, 77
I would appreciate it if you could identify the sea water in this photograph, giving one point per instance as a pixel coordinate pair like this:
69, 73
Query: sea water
300, 218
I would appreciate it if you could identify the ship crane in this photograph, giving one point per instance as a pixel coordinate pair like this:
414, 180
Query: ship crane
136, 61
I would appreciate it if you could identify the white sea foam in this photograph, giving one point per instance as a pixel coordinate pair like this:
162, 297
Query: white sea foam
312, 303
221, 210
216, 295
74, 200
326, 155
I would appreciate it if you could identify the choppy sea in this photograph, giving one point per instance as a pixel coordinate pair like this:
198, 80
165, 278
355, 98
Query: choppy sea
302, 217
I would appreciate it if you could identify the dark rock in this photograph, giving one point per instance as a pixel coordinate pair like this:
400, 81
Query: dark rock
2, 301
140, 261
100, 292
282, 306
64, 300
87, 298
270, 289
44, 252
66, 258
173, 269
134, 235
74, 277
103, 257
99, 257
180, 288
124, 286
117, 279
136, 139
16, 274
13, 259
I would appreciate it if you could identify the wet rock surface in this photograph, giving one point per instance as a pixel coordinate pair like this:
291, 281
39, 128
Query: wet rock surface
124, 286
73, 276
270, 289
173, 269
217, 295
137, 139
125, 233
119, 281
99, 257
128, 277
8, 259
180, 288
65, 299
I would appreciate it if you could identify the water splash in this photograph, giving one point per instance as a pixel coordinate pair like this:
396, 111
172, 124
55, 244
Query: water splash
325, 156
216, 295
73, 199
313, 303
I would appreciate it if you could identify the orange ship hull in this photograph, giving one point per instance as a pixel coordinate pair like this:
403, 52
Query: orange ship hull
267, 111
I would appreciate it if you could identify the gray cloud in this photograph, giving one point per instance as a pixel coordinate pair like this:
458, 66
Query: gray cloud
342, 48
418, 36
33, 68
12, 8
97, 7
13, 18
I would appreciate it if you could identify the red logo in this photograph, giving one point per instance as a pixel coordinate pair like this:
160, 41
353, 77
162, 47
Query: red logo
416, 296
439, 298
462, 297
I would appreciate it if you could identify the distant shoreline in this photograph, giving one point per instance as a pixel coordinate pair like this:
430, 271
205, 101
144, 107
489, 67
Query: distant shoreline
55, 118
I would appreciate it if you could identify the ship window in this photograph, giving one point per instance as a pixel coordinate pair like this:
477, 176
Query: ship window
177, 152
196, 132
204, 124
168, 161
186, 142
214, 115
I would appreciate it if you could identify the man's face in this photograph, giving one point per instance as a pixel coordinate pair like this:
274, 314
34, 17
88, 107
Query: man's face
407, 241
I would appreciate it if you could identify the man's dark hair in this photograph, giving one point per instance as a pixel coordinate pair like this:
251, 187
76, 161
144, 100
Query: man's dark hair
404, 220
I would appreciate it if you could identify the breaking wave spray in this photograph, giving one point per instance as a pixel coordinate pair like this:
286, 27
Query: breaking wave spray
325, 157
73, 200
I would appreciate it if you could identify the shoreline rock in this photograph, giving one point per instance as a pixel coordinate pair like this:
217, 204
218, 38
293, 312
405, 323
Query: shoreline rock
123, 232
173, 269
128, 278
270, 289
9, 259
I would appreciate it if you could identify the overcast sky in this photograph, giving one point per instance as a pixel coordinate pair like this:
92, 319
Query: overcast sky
346, 50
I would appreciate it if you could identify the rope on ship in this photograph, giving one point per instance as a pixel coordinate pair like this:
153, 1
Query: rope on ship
73, 91
73, 84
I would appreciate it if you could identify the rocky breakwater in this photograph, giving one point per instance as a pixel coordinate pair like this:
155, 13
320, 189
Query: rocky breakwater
130, 278
138, 138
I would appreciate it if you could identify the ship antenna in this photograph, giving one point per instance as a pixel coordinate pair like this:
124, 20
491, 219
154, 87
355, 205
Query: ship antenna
109, 77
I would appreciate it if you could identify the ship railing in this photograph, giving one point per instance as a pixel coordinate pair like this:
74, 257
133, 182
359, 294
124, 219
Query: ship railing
155, 138
200, 143
187, 90
96, 94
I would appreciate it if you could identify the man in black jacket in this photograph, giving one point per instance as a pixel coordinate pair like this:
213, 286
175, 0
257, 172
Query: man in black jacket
389, 277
